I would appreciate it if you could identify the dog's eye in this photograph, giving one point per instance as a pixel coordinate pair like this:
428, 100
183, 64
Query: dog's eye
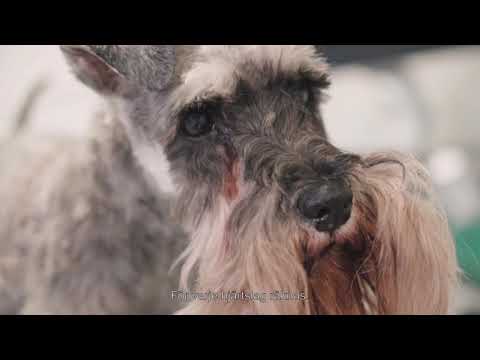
197, 123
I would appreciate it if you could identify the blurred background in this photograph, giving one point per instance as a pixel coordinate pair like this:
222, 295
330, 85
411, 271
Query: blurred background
423, 99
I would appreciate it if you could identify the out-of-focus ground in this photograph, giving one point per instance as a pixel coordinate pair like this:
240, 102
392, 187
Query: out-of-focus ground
427, 103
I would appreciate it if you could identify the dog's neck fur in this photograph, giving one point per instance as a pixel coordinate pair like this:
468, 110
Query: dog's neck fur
117, 166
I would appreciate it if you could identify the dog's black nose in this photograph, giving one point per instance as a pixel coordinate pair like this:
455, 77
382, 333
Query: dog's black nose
329, 206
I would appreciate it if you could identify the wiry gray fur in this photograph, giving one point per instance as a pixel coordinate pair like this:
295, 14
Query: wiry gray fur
82, 232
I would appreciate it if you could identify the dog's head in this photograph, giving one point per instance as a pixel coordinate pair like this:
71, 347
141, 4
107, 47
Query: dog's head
271, 204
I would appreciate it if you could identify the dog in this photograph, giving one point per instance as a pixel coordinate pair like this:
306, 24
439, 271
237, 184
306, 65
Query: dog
279, 220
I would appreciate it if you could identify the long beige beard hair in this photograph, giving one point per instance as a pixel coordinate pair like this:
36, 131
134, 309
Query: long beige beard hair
396, 255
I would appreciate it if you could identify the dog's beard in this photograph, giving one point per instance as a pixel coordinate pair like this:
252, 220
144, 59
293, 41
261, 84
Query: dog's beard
409, 260
394, 256
243, 246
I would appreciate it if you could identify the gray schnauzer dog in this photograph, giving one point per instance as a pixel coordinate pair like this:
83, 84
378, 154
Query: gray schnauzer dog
280, 220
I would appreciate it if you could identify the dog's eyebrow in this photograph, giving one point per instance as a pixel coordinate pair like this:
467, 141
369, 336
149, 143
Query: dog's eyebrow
184, 98
219, 69
205, 102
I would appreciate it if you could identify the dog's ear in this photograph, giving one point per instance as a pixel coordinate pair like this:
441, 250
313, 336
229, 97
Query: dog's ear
116, 69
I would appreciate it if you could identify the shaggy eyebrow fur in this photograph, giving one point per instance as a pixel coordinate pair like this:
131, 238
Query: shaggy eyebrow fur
216, 70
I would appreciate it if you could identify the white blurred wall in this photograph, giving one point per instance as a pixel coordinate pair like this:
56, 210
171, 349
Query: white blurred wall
65, 107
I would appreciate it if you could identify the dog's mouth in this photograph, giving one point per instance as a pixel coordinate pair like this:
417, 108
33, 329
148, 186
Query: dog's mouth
317, 243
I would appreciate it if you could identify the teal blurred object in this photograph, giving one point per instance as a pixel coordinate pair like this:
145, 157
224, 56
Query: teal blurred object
468, 250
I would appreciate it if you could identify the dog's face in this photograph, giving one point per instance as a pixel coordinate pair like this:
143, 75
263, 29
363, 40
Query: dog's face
227, 118
271, 204
246, 123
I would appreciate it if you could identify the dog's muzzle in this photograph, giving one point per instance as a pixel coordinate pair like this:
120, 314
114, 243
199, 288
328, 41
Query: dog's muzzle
327, 206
